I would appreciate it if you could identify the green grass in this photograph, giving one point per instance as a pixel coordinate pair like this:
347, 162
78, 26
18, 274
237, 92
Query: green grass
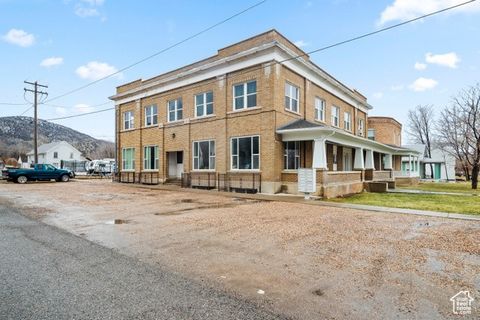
430, 202
458, 187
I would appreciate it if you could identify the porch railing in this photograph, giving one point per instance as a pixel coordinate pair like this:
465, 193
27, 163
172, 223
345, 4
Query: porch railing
342, 177
406, 174
382, 175
149, 178
201, 180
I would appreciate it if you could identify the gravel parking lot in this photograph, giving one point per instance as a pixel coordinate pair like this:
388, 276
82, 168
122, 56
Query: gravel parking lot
309, 262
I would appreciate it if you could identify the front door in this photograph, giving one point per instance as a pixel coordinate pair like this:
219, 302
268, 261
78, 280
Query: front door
347, 159
175, 164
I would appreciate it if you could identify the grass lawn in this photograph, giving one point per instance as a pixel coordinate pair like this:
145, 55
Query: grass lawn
431, 202
458, 187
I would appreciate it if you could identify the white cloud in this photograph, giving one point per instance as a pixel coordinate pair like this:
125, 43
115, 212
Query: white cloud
83, 108
397, 87
449, 60
61, 111
401, 10
423, 84
378, 95
88, 8
420, 66
94, 2
51, 62
95, 70
19, 37
86, 12
301, 43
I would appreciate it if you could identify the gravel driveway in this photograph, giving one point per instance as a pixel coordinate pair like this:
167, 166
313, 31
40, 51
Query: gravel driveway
309, 262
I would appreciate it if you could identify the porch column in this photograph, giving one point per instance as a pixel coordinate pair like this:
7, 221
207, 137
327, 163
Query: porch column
418, 166
319, 154
369, 160
359, 163
409, 165
388, 162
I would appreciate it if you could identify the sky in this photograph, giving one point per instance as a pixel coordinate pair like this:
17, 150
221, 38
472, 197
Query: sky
67, 44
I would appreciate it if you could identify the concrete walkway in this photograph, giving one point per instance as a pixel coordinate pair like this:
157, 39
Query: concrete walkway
413, 191
316, 202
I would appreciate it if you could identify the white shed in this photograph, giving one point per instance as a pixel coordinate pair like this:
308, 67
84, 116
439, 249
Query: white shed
53, 153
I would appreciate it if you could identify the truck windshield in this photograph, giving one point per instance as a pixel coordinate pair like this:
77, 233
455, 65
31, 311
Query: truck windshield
48, 167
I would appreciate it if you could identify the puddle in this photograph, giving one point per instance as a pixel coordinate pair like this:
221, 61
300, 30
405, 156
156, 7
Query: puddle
117, 221
318, 292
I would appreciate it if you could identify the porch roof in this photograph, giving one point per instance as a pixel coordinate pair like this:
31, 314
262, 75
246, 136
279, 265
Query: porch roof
301, 130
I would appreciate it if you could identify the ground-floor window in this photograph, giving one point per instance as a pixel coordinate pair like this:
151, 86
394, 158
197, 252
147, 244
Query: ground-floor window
291, 155
150, 158
128, 158
245, 153
204, 155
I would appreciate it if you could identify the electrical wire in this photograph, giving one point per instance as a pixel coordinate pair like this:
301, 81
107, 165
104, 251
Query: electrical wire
80, 115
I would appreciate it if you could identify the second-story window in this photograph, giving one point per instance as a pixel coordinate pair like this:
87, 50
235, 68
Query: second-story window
128, 120
292, 94
371, 134
55, 155
245, 95
347, 121
204, 104
361, 127
151, 115
335, 116
319, 109
175, 110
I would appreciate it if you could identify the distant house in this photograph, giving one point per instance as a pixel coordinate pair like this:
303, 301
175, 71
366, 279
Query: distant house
53, 153
441, 166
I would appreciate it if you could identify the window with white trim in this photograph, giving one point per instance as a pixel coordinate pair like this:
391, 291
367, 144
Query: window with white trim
245, 95
55, 155
319, 109
128, 120
291, 155
150, 158
175, 110
347, 121
204, 155
204, 104
245, 153
151, 115
128, 158
335, 116
371, 134
361, 127
292, 94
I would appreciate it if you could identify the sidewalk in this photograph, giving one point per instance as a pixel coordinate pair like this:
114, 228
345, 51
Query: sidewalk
300, 199
412, 191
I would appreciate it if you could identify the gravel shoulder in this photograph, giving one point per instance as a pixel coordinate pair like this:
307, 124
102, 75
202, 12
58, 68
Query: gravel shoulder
310, 261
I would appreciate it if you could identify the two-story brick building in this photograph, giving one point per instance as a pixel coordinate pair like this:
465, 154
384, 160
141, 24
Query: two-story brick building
248, 118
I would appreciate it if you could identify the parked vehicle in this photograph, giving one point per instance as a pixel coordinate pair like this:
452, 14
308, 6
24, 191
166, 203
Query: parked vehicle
105, 166
39, 172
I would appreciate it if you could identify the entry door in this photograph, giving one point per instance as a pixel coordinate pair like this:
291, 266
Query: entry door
437, 175
347, 159
175, 164
179, 164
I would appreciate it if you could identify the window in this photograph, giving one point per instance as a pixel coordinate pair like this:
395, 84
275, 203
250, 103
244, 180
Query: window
150, 158
291, 155
55, 155
361, 127
128, 158
371, 134
128, 120
245, 95
204, 104
347, 121
71, 155
319, 109
151, 116
291, 97
335, 116
204, 155
245, 153
175, 110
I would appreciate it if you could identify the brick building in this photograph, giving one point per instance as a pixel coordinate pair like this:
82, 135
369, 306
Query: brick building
247, 118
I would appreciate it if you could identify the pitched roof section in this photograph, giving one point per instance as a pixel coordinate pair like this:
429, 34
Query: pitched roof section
300, 124
44, 148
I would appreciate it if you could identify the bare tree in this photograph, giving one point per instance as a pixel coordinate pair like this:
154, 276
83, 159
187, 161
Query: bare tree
462, 117
420, 128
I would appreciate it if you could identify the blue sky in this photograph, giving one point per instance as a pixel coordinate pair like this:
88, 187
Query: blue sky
67, 44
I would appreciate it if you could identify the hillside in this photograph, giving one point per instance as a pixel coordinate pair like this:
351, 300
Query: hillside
16, 138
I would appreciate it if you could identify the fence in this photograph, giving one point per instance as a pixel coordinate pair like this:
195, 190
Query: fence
237, 182
200, 180
76, 166
149, 178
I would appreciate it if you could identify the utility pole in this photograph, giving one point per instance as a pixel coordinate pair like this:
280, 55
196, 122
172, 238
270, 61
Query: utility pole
35, 113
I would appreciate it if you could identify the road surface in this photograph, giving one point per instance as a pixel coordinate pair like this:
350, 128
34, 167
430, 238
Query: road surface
46, 273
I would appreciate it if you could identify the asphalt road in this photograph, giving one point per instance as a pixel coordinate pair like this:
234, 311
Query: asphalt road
46, 273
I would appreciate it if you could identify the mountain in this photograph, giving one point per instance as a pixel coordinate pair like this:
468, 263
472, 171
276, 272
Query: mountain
16, 138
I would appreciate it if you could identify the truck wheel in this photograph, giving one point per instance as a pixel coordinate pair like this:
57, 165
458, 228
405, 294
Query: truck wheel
65, 178
22, 179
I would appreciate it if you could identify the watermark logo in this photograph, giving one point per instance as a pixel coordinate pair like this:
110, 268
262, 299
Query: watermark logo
462, 303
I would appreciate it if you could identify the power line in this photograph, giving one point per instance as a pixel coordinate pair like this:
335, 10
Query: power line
12, 104
35, 92
80, 115
159, 52
302, 55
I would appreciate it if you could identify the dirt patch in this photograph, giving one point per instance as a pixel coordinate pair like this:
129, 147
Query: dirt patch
309, 262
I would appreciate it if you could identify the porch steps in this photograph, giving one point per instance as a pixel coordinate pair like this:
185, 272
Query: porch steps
174, 182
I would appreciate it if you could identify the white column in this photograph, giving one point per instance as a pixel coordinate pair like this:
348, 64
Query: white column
369, 160
409, 165
388, 161
359, 163
319, 154
418, 166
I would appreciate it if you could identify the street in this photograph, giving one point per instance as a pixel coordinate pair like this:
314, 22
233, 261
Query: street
46, 273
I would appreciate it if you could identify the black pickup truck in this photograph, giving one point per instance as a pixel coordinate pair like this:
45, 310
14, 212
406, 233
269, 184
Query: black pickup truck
39, 172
